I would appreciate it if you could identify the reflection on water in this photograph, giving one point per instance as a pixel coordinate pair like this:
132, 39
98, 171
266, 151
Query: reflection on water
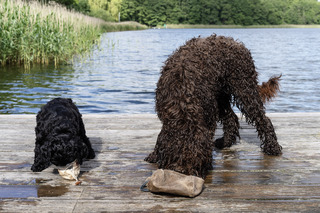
25, 91
121, 77
255, 168
29, 191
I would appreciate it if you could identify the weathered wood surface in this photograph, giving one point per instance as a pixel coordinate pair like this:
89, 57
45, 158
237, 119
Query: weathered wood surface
243, 179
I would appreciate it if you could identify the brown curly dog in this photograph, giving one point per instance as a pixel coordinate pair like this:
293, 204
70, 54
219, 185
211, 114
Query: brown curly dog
199, 83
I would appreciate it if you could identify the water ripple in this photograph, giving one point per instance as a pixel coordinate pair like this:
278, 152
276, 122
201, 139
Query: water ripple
121, 77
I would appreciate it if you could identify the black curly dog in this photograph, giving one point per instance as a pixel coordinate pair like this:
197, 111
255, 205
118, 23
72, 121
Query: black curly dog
60, 136
199, 83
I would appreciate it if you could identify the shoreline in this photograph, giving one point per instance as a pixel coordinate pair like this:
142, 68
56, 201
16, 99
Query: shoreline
201, 26
108, 27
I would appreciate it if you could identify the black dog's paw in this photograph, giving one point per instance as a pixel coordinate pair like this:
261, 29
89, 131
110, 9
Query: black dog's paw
91, 154
37, 168
152, 158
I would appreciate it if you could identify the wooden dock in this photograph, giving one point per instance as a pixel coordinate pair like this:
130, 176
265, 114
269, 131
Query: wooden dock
243, 179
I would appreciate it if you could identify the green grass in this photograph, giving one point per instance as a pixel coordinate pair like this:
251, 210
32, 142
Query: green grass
32, 33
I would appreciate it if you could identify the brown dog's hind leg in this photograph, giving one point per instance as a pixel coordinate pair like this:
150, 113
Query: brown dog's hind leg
229, 121
250, 104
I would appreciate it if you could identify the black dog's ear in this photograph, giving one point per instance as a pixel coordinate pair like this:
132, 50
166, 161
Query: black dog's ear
41, 158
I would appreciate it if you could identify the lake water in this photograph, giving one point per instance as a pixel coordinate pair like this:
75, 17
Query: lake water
121, 76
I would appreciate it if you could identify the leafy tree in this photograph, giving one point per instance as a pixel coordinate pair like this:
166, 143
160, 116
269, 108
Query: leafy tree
240, 12
130, 10
225, 12
210, 13
114, 8
303, 12
82, 6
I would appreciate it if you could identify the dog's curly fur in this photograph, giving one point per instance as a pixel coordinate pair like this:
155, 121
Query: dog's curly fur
198, 85
60, 136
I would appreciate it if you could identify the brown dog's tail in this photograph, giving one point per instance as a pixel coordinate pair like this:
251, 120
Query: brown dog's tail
269, 90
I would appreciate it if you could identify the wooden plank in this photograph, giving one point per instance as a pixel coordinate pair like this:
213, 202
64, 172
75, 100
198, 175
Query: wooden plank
243, 178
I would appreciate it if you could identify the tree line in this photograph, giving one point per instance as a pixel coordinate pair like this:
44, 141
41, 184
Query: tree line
213, 12
221, 12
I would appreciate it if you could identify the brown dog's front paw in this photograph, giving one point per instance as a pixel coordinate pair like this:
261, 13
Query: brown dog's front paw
152, 158
272, 149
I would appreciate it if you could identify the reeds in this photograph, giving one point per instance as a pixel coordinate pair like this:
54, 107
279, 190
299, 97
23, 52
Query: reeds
122, 26
34, 33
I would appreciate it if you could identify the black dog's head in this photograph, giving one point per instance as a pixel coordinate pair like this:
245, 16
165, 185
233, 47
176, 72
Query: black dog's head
60, 151
64, 149
60, 136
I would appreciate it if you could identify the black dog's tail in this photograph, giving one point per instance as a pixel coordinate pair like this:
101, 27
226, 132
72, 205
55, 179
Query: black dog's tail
269, 90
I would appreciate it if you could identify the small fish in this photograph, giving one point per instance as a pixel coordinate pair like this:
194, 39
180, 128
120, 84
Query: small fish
71, 172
